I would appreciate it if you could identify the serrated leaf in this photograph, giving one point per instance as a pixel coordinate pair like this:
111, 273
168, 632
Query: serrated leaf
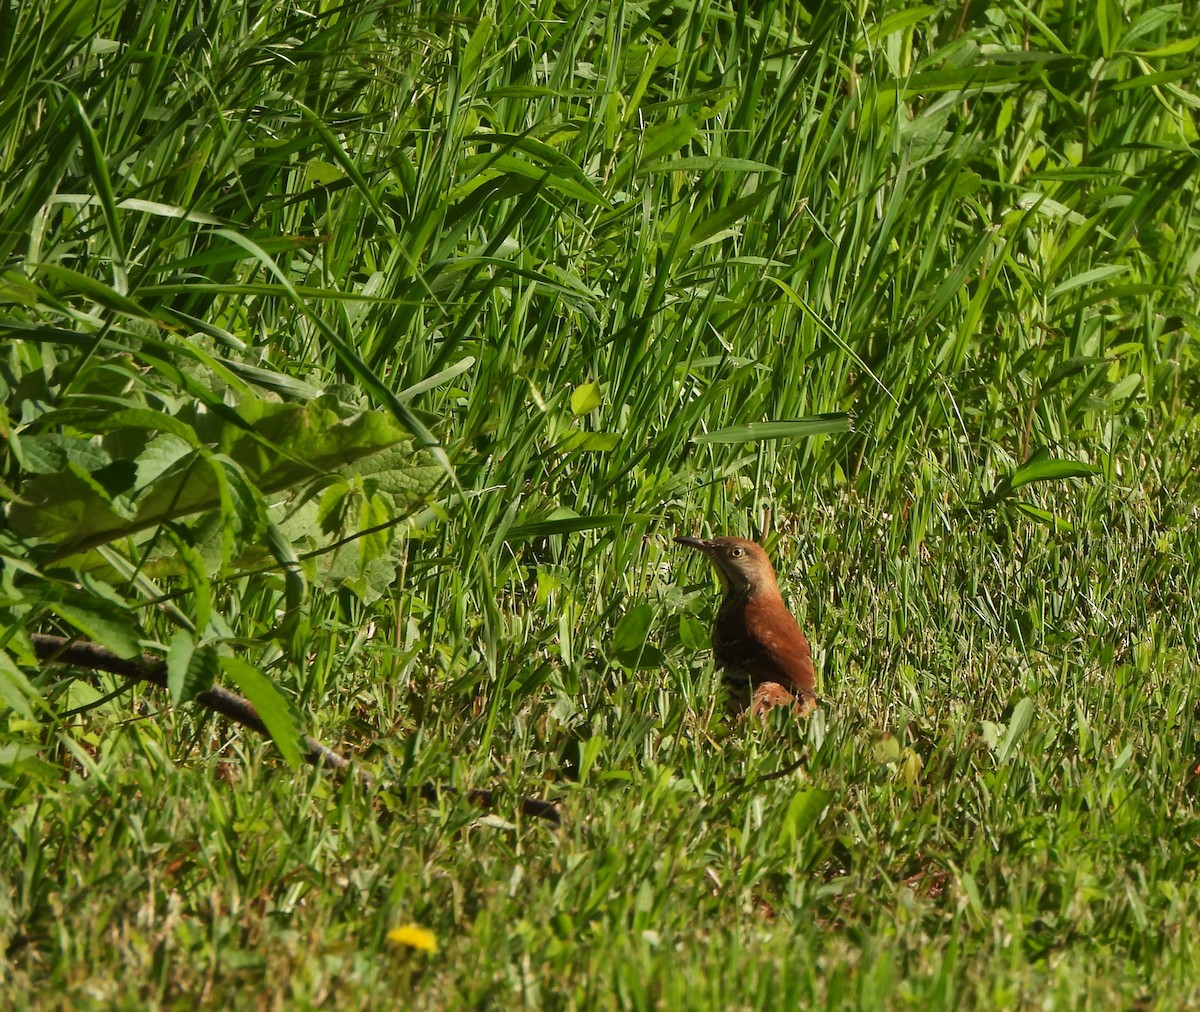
51, 503
276, 711
161, 454
51, 452
195, 568
402, 471
273, 446
190, 669
102, 623
378, 577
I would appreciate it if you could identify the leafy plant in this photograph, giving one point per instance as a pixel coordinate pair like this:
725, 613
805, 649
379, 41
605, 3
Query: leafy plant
371, 353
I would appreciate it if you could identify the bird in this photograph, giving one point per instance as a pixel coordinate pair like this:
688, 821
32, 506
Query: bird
756, 641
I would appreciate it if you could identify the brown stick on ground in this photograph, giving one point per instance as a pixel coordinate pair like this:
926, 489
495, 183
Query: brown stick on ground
82, 654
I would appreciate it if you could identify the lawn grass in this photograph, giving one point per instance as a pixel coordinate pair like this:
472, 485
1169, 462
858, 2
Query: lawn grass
588, 249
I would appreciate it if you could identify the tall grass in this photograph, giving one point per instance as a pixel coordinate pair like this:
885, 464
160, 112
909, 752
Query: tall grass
592, 250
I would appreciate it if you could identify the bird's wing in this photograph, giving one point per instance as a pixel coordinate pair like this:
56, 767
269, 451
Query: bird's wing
782, 654
761, 640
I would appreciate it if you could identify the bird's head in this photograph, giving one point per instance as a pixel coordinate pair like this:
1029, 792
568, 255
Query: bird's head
741, 565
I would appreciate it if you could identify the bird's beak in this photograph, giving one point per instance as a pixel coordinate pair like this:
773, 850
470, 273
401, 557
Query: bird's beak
698, 543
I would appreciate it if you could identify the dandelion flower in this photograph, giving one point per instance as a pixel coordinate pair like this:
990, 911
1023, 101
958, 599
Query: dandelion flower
414, 936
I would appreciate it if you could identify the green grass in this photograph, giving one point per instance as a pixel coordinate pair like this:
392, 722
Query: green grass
612, 238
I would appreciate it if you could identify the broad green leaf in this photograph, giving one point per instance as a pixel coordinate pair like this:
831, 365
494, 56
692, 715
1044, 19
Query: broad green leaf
1056, 523
405, 473
143, 418
585, 397
63, 508
192, 565
331, 508
548, 583
51, 453
378, 577
274, 708
666, 138
1125, 388
692, 633
190, 669
804, 811
278, 446
102, 622
1045, 469
629, 641
16, 691
323, 173
161, 455
372, 525
632, 629
1018, 725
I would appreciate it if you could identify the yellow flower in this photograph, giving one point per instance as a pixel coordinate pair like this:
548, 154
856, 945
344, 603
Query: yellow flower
414, 936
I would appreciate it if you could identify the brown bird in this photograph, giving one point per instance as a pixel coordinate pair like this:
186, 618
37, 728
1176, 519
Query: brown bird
756, 641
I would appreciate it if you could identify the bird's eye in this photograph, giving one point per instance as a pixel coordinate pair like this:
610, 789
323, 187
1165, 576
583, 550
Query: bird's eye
737, 553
